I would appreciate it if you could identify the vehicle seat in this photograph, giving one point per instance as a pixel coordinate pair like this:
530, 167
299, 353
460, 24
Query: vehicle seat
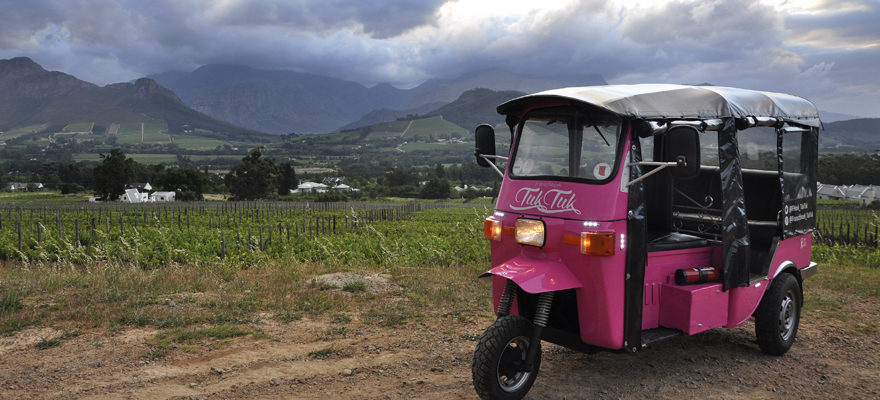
666, 241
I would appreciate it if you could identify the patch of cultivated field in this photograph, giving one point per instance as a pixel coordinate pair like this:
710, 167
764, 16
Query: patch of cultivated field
79, 127
152, 133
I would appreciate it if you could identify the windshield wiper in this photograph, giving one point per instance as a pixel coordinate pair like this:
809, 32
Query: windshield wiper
597, 130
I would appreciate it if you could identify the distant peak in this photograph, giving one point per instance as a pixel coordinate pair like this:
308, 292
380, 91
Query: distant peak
213, 68
20, 63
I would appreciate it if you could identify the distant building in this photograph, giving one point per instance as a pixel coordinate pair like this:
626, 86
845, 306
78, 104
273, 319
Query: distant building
477, 188
159, 197
309, 187
333, 180
133, 196
863, 194
13, 186
345, 188
142, 187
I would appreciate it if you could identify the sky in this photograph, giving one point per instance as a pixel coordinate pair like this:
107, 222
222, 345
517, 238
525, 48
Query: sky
827, 51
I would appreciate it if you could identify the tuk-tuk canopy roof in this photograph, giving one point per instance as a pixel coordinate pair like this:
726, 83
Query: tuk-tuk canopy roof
665, 101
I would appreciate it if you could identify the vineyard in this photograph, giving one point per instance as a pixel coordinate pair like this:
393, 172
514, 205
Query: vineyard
151, 236
836, 227
155, 235
118, 265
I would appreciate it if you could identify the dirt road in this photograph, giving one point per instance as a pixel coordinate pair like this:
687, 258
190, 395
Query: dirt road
431, 360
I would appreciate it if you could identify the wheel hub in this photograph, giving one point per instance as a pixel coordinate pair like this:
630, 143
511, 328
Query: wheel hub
787, 316
510, 375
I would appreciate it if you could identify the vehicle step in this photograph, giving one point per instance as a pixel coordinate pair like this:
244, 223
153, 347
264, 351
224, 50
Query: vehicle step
658, 335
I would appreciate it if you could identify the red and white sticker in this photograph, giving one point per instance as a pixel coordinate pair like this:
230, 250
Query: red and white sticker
602, 171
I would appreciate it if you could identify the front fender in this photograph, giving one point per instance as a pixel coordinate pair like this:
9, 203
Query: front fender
536, 276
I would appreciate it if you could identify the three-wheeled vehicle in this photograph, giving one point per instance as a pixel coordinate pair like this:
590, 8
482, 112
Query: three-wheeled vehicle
631, 214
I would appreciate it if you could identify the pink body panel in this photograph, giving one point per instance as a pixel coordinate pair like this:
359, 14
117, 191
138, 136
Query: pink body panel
795, 249
660, 272
537, 275
744, 301
694, 308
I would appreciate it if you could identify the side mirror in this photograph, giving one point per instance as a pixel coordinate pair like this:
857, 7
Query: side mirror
485, 144
683, 148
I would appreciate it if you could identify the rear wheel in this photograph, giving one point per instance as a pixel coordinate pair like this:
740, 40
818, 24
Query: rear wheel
778, 316
498, 359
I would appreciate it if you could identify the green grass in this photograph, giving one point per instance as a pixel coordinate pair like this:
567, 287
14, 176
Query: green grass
141, 158
152, 133
45, 197
198, 144
194, 335
79, 127
47, 343
154, 158
21, 131
848, 275
354, 286
456, 147
87, 157
436, 126
323, 353
79, 137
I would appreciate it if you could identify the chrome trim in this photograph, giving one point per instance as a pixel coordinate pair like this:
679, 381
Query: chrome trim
768, 121
713, 125
783, 266
492, 164
698, 124
808, 271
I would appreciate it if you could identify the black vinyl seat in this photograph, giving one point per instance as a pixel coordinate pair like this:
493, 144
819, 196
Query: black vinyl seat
666, 241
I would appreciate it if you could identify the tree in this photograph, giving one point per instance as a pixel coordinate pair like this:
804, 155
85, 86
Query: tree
436, 189
110, 177
400, 177
255, 178
189, 183
439, 171
287, 179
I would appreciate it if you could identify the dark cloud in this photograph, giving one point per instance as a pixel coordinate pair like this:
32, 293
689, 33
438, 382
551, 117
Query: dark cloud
828, 52
379, 19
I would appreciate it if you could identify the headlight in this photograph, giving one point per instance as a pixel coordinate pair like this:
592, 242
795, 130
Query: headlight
530, 232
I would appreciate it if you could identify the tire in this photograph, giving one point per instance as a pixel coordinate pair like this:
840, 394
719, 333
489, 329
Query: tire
500, 351
778, 315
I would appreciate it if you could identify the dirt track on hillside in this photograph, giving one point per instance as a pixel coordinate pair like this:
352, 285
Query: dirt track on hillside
431, 360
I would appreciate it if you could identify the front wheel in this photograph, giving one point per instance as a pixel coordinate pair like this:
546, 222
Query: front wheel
498, 359
778, 315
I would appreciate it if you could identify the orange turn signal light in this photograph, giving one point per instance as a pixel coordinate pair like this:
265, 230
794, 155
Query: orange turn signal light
597, 243
492, 229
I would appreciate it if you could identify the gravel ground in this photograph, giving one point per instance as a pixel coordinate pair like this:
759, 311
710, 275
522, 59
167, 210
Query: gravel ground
431, 359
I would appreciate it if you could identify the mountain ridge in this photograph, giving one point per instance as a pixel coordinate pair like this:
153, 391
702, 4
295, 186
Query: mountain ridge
279, 102
31, 95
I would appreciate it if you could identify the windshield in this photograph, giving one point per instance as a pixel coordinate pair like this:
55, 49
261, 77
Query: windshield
566, 142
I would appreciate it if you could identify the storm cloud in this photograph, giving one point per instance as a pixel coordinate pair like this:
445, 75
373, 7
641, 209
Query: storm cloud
826, 51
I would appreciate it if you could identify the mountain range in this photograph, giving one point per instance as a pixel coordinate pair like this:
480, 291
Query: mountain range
280, 102
31, 95
301, 103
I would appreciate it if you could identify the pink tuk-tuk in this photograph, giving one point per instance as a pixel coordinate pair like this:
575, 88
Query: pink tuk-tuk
632, 214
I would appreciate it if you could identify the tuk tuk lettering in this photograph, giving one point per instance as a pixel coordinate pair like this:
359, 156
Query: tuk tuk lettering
551, 202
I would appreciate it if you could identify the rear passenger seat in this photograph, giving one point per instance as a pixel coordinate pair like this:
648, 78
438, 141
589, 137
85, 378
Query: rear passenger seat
666, 241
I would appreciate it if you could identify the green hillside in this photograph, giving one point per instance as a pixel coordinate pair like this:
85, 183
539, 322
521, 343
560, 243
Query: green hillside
476, 107
31, 96
433, 127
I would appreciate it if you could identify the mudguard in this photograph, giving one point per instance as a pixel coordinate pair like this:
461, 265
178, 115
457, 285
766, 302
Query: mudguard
536, 276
